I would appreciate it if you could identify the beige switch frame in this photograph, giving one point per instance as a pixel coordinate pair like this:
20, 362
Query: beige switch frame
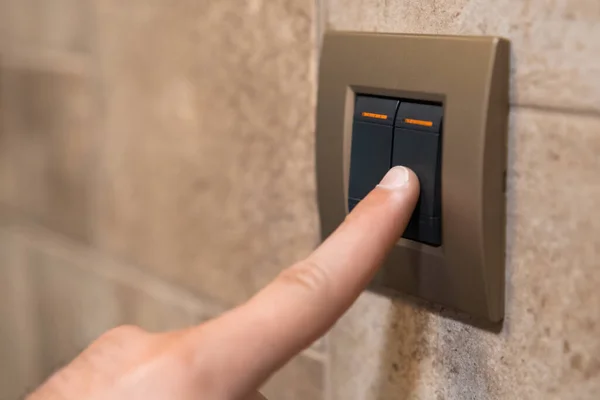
470, 77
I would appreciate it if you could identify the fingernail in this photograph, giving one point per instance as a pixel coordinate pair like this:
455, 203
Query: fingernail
395, 178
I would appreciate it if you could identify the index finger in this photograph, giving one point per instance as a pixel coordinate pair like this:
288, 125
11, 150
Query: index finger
304, 301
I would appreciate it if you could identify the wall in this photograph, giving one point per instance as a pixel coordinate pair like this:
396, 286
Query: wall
156, 167
549, 347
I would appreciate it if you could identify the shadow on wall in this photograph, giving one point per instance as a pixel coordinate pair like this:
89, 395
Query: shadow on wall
421, 337
442, 311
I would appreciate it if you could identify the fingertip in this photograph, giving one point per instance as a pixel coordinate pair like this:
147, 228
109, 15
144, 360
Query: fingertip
397, 192
400, 178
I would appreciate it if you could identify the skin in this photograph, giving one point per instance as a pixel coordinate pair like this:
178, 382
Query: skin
231, 356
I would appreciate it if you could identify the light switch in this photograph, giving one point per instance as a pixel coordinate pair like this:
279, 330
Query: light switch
387, 132
417, 145
372, 136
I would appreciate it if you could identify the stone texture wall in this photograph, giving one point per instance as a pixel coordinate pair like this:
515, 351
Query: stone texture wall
156, 167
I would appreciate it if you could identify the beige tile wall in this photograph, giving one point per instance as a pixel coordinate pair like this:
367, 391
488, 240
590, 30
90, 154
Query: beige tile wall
549, 347
156, 167
56, 25
47, 148
208, 157
555, 63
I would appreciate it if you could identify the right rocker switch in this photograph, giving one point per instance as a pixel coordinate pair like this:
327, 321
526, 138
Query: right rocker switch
418, 146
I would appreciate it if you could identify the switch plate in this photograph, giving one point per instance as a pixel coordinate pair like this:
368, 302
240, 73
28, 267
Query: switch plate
469, 76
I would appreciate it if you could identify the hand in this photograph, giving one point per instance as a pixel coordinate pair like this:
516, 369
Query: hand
231, 356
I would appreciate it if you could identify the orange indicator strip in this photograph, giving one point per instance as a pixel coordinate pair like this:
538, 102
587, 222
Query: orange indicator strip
373, 115
418, 122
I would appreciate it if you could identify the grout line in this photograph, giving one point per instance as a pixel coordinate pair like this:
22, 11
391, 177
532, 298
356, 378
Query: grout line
45, 60
315, 355
581, 112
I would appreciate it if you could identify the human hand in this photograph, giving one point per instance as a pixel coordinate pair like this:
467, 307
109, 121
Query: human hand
231, 356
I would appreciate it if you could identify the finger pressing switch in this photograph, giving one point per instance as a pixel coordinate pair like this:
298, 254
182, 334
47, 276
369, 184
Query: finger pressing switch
417, 145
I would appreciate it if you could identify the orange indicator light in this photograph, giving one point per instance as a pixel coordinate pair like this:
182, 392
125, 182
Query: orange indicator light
373, 115
418, 122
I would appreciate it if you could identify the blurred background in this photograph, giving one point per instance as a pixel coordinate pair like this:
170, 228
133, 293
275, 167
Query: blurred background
157, 168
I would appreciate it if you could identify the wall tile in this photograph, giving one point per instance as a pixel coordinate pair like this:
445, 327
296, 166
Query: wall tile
60, 25
19, 363
556, 64
302, 378
208, 173
47, 147
54, 304
549, 347
75, 306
